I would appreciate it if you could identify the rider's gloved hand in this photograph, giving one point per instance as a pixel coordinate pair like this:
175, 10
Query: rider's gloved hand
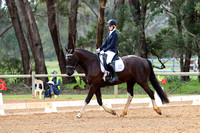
98, 50
102, 52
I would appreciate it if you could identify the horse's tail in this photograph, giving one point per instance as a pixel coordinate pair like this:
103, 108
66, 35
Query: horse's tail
156, 85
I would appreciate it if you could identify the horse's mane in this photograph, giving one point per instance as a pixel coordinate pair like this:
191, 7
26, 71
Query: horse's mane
86, 51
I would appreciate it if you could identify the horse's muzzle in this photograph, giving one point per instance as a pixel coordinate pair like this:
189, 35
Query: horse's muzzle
69, 73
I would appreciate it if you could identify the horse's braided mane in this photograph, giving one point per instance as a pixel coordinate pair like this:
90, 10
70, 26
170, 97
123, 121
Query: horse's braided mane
86, 51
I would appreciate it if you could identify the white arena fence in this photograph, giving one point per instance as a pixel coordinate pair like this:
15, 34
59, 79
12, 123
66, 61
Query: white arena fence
35, 76
173, 65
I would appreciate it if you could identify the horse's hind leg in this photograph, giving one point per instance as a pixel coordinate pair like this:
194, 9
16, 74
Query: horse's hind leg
151, 95
99, 100
130, 85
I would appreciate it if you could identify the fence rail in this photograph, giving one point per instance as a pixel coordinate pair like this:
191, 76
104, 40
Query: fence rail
173, 65
34, 76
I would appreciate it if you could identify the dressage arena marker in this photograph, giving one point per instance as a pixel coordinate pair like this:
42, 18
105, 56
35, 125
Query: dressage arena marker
196, 102
1, 103
52, 106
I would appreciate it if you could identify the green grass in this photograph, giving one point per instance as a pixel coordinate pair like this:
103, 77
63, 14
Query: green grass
173, 87
52, 65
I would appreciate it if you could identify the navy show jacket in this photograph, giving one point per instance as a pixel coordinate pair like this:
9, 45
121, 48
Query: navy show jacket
110, 43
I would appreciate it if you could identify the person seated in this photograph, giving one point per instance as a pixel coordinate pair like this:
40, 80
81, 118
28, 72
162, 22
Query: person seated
53, 86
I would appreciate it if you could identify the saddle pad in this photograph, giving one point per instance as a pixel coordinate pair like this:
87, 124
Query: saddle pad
119, 65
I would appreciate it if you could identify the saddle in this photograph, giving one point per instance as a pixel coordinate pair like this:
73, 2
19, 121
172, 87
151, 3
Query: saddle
116, 61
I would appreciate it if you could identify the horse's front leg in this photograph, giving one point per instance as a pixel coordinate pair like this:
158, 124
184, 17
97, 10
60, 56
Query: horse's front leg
99, 100
87, 100
82, 111
130, 85
129, 99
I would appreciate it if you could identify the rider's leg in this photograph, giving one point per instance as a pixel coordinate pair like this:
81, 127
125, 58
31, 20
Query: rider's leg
111, 66
114, 75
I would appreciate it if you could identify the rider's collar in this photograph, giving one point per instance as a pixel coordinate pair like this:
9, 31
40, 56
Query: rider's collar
112, 31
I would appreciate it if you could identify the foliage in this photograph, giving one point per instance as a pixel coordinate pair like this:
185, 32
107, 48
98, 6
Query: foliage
128, 38
11, 66
197, 7
164, 43
90, 39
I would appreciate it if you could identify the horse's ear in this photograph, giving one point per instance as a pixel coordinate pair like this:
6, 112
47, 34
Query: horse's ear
71, 51
66, 50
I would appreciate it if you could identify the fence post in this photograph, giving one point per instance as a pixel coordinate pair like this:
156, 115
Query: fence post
116, 90
33, 84
173, 65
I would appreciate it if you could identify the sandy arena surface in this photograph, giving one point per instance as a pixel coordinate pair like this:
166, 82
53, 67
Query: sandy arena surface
180, 117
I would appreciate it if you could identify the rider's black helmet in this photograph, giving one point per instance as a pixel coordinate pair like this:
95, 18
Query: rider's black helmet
111, 22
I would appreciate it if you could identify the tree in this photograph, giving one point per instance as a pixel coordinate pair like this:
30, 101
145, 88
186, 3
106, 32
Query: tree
21, 39
100, 27
72, 24
72, 30
139, 9
121, 15
54, 30
184, 19
33, 37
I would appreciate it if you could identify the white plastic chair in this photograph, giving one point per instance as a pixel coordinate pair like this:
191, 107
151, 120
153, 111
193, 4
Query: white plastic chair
38, 89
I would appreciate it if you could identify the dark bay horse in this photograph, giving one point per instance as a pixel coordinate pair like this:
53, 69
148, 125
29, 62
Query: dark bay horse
137, 70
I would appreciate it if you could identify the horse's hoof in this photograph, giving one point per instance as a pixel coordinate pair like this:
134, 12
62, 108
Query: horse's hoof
113, 112
158, 111
122, 115
78, 116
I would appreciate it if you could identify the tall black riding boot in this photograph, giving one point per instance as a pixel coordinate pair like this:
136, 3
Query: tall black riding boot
114, 75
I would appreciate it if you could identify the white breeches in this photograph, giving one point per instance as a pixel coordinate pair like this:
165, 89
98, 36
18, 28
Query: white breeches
110, 56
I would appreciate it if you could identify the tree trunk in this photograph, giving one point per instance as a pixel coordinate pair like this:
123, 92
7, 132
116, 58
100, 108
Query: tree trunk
199, 65
100, 27
139, 14
187, 61
142, 42
21, 39
182, 59
54, 30
185, 64
72, 24
72, 30
32, 34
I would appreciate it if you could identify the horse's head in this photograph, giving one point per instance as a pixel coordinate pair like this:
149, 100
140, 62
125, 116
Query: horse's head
71, 62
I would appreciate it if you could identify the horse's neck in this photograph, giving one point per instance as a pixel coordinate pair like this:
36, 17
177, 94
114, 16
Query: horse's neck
85, 60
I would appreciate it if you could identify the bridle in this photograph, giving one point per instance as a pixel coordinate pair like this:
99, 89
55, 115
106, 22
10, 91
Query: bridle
74, 61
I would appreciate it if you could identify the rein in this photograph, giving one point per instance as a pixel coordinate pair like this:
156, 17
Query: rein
78, 64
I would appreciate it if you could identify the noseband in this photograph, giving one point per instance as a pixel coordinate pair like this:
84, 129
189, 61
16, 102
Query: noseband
74, 60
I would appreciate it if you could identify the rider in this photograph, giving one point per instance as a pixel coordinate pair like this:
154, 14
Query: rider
110, 47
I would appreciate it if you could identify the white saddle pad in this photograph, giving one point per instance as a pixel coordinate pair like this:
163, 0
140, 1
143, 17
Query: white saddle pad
119, 65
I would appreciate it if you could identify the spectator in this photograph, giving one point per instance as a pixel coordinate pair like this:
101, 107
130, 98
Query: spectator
53, 86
